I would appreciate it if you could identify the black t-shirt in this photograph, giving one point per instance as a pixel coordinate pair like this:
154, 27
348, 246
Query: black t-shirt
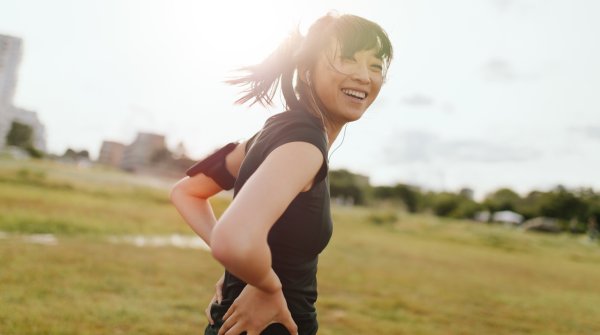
302, 231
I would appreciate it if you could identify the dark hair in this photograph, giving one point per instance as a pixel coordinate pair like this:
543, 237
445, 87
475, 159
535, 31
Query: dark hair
354, 33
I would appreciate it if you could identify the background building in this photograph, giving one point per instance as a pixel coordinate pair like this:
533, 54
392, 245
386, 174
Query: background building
143, 149
147, 154
111, 153
10, 58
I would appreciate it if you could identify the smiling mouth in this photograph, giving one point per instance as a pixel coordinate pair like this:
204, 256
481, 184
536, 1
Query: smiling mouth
354, 93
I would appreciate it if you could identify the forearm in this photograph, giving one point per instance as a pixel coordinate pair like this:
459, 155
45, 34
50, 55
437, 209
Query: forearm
197, 213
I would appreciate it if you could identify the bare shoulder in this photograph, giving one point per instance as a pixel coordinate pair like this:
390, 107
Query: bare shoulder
296, 156
288, 169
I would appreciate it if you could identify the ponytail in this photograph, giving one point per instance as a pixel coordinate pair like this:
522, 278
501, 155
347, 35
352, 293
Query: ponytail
262, 80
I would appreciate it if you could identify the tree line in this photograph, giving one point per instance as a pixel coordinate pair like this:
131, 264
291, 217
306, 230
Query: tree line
573, 208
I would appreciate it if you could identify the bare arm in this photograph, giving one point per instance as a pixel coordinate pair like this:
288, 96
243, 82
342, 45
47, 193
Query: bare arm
190, 196
239, 240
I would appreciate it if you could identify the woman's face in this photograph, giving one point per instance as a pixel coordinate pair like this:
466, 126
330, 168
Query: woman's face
347, 86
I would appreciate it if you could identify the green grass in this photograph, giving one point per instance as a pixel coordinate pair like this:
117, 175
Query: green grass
46, 197
384, 272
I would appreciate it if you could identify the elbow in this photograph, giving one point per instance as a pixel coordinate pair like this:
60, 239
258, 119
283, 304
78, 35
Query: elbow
226, 248
219, 251
177, 192
185, 189
174, 193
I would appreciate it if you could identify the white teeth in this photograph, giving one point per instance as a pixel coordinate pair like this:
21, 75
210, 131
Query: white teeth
356, 94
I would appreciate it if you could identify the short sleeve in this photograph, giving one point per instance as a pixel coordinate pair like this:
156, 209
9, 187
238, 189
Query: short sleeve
300, 132
250, 142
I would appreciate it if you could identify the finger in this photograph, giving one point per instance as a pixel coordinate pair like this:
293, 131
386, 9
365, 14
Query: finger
236, 329
228, 322
219, 294
229, 312
208, 316
223, 329
227, 325
291, 326
207, 312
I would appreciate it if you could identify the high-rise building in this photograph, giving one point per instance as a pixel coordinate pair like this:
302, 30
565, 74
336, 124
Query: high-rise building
10, 58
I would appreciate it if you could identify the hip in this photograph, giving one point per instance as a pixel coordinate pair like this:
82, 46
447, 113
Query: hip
307, 324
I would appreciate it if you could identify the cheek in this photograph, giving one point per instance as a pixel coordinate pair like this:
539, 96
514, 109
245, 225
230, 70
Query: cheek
326, 86
377, 83
327, 93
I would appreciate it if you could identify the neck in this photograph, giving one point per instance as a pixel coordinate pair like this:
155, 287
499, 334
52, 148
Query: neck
332, 129
332, 126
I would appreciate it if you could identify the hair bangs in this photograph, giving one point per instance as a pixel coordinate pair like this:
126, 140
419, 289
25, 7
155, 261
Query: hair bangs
357, 34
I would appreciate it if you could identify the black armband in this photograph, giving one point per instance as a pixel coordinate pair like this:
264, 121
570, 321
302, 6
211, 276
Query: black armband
214, 167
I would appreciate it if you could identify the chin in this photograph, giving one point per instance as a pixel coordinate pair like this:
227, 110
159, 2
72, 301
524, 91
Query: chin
357, 115
352, 118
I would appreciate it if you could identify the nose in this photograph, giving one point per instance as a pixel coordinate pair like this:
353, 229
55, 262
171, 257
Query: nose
360, 73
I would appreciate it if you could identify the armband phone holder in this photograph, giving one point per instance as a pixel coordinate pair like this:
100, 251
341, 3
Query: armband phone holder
214, 167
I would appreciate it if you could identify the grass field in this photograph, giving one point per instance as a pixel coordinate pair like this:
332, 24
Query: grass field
415, 275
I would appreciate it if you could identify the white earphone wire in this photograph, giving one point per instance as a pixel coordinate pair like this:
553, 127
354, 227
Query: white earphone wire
339, 145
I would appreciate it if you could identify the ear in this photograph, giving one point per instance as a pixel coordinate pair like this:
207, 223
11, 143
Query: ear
304, 75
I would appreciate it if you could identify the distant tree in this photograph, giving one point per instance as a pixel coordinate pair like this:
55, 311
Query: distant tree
562, 204
383, 192
445, 203
592, 201
20, 135
75, 155
466, 193
502, 200
466, 209
345, 184
454, 205
409, 195
529, 206
33, 152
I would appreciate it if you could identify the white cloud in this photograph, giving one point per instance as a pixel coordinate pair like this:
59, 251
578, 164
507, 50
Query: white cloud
422, 146
418, 100
591, 131
501, 70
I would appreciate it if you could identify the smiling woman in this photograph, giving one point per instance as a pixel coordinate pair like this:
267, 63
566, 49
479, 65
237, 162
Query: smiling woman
279, 221
348, 90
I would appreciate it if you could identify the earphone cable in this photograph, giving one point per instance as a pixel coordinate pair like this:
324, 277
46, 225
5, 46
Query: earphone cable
339, 145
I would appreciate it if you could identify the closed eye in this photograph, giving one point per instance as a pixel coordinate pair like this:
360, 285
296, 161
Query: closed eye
377, 67
348, 58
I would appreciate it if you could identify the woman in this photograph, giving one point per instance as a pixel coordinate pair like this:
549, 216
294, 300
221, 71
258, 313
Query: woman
270, 237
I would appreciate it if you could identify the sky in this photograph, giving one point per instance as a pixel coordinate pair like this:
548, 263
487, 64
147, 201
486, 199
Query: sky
481, 93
